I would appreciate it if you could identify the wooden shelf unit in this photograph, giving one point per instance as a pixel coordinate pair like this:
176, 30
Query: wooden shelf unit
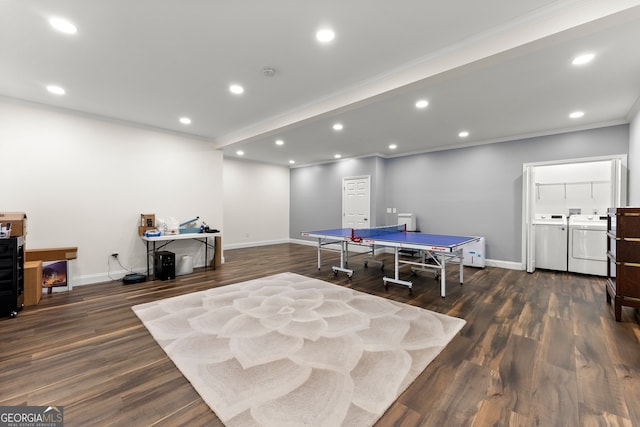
32, 282
623, 253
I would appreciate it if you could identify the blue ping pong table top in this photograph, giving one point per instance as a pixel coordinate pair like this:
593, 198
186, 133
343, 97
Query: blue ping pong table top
400, 237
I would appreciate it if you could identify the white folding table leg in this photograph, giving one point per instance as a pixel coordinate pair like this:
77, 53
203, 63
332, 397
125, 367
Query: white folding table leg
460, 256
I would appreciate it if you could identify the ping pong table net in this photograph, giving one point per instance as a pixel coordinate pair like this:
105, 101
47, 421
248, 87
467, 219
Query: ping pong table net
358, 234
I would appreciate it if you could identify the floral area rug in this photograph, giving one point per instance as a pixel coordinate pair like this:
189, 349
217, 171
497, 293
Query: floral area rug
288, 350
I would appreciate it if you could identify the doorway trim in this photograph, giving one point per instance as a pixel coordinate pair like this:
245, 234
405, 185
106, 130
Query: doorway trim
618, 191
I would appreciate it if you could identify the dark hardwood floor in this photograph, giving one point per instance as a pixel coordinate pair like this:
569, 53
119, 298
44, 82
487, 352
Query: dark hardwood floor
539, 349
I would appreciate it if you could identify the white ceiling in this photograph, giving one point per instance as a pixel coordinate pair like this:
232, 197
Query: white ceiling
500, 69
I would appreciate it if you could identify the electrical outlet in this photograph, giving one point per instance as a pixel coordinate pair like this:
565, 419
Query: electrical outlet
115, 255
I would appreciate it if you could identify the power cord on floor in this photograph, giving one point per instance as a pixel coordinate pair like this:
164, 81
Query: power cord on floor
115, 256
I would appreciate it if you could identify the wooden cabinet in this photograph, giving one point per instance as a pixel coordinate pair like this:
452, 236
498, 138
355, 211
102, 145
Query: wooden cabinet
32, 282
623, 253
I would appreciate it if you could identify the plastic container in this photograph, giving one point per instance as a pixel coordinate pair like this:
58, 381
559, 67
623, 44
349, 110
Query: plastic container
185, 265
408, 219
5, 230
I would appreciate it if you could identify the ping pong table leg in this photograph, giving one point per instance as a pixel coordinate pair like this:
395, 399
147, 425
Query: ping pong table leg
443, 282
344, 248
319, 246
460, 256
396, 278
397, 263
346, 253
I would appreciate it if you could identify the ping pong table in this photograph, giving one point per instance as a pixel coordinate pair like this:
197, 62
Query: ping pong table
434, 250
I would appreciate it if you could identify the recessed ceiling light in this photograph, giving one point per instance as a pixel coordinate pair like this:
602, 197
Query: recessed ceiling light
583, 59
291, 162
422, 103
338, 126
576, 114
63, 25
325, 35
185, 120
279, 142
463, 134
393, 146
337, 156
240, 153
237, 89
57, 90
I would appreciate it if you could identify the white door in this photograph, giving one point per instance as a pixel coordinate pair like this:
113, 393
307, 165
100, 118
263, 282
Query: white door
356, 202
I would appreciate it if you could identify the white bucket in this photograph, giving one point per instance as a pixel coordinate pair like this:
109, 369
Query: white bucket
185, 265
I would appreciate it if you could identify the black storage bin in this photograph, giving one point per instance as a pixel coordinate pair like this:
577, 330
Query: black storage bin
11, 276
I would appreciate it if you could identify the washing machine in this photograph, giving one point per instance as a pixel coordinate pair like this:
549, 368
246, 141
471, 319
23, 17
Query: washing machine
588, 244
551, 241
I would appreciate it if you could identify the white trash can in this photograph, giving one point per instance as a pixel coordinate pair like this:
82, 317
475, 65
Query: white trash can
185, 265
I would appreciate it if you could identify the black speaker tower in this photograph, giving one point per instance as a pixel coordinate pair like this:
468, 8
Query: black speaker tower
165, 265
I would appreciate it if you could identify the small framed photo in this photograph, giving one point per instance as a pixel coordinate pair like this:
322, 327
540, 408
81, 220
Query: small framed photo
54, 274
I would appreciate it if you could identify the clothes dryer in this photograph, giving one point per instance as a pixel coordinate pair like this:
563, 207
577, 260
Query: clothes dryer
588, 244
551, 241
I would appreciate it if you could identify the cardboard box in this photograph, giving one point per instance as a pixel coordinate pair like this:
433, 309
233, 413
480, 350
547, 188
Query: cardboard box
18, 222
148, 220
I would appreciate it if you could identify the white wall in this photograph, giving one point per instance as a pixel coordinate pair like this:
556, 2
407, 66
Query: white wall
584, 185
84, 182
634, 158
256, 204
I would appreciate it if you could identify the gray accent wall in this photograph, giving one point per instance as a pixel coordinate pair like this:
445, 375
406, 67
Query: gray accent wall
467, 191
316, 193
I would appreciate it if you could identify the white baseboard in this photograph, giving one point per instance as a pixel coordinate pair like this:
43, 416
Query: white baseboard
508, 265
114, 276
253, 244
304, 242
